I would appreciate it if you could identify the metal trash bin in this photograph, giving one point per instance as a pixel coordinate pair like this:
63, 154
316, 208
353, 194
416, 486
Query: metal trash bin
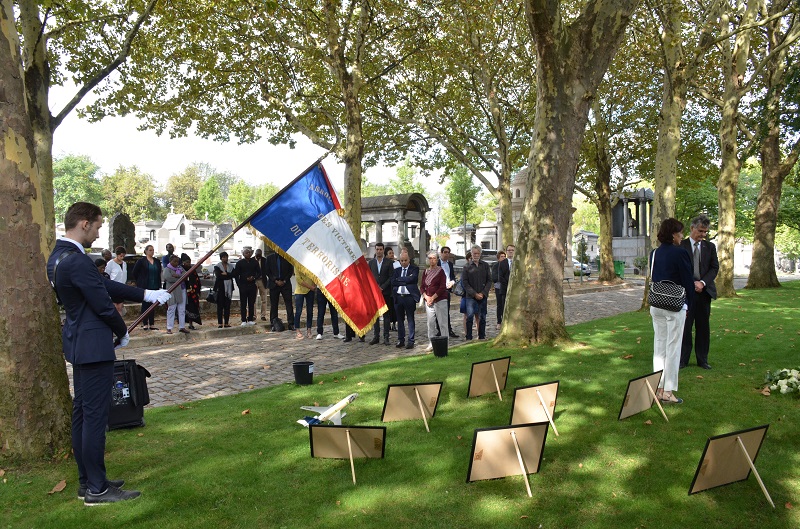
439, 344
303, 372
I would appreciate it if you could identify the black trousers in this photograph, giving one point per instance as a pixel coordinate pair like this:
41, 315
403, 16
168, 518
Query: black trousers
90, 407
698, 316
275, 294
322, 304
501, 303
223, 309
247, 302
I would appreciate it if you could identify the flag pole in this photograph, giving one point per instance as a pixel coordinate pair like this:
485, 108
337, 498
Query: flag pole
194, 267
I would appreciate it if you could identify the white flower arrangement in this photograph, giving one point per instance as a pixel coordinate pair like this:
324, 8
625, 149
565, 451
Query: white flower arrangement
787, 381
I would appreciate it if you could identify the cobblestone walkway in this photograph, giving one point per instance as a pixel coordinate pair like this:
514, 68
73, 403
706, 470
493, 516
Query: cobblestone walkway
214, 362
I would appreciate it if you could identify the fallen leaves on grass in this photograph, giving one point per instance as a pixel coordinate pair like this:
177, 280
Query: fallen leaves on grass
700, 376
766, 392
788, 505
648, 422
61, 485
639, 339
246, 412
2, 472
627, 357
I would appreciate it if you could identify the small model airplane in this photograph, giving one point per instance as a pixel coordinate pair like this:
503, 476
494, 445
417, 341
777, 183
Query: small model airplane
332, 413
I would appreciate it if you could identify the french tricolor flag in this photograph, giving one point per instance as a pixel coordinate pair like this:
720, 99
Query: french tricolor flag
303, 223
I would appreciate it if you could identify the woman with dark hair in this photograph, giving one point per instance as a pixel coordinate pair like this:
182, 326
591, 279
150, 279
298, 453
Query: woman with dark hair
147, 274
193, 288
223, 286
670, 262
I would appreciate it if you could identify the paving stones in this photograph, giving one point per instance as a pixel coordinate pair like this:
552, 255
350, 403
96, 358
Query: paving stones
214, 362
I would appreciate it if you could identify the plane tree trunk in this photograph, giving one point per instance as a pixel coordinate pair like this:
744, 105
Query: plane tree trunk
572, 60
34, 391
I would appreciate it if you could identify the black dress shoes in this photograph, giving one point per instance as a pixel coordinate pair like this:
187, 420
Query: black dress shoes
410, 345
361, 339
400, 345
375, 341
348, 339
704, 366
453, 335
386, 341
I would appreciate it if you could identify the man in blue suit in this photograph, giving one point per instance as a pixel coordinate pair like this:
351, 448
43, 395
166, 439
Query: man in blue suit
406, 296
88, 334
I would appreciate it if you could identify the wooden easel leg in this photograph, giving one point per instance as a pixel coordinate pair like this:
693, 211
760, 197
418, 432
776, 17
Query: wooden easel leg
421, 409
547, 412
655, 397
350, 451
496, 383
753, 468
521, 464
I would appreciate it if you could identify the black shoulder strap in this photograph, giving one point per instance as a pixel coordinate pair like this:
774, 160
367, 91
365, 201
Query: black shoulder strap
60, 258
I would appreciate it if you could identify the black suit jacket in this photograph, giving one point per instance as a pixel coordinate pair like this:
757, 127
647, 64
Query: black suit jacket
286, 273
262, 266
384, 278
91, 318
410, 281
503, 273
709, 264
449, 272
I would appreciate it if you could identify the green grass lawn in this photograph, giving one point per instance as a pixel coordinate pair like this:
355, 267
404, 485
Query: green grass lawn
206, 464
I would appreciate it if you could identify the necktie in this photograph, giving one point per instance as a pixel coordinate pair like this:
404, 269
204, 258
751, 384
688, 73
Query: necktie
696, 260
403, 289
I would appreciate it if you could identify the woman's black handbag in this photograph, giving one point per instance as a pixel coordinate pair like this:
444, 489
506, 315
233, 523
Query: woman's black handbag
666, 294
212, 297
458, 290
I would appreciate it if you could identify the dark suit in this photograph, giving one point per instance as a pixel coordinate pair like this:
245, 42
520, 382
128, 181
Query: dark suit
88, 333
279, 269
406, 304
699, 312
384, 280
503, 274
247, 273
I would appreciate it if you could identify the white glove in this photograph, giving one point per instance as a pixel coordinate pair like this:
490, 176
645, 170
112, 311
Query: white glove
161, 296
124, 341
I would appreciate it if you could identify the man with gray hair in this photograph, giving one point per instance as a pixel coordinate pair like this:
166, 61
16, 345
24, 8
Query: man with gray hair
705, 267
477, 281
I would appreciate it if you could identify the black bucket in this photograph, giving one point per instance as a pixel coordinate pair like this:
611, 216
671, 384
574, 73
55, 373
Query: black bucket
439, 344
303, 372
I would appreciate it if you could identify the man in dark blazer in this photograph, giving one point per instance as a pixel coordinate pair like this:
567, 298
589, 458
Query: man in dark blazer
706, 266
382, 272
503, 275
262, 282
280, 272
88, 334
405, 290
247, 273
446, 262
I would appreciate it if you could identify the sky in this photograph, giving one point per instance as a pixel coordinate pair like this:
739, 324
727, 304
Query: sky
115, 141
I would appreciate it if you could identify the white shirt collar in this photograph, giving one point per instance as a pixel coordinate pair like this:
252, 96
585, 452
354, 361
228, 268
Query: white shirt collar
73, 241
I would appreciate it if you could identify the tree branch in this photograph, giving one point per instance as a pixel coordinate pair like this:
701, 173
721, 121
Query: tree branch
105, 72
